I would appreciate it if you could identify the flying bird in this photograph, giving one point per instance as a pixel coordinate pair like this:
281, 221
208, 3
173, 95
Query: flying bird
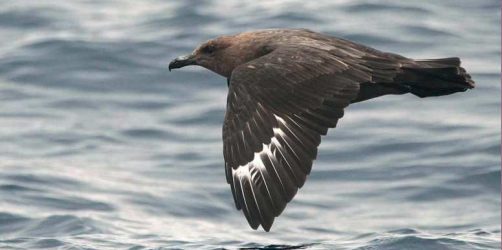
286, 88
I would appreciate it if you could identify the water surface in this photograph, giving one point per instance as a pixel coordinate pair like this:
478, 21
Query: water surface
102, 148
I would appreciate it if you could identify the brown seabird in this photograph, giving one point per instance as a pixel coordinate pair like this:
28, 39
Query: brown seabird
286, 88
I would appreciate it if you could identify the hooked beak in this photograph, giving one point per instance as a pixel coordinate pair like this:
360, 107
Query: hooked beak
182, 61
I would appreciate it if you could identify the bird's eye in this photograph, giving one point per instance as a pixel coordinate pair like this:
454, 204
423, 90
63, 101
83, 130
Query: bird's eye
207, 49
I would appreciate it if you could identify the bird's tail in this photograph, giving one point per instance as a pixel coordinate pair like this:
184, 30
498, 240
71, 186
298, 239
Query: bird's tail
435, 77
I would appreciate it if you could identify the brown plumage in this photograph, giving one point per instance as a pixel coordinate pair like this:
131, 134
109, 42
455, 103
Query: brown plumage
286, 89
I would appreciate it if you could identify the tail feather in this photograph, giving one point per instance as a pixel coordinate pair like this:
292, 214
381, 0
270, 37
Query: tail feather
450, 61
423, 78
435, 77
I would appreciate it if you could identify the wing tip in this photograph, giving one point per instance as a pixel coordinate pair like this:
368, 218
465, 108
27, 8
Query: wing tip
266, 227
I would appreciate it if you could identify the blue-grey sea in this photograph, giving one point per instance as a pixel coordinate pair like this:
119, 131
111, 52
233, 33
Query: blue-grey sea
102, 148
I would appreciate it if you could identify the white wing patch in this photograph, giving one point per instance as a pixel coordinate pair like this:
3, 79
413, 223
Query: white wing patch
255, 173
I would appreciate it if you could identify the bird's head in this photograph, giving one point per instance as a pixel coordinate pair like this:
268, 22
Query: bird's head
223, 54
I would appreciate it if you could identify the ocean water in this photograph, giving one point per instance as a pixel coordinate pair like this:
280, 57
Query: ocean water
102, 148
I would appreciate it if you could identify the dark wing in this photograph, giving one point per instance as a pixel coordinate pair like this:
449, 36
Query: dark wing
278, 106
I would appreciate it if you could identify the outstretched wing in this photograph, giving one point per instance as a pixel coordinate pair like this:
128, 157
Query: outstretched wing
278, 107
